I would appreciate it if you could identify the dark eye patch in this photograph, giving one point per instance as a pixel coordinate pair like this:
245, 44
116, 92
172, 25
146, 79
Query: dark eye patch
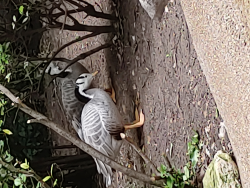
81, 77
80, 83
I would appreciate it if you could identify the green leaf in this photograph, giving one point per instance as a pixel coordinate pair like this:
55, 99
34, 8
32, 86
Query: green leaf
182, 185
195, 134
25, 19
14, 18
7, 46
1, 48
17, 181
46, 178
195, 140
8, 157
163, 170
34, 152
23, 177
38, 185
2, 111
36, 135
8, 76
7, 131
186, 172
26, 63
217, 113
3, 172
185, 178
21, 9
1, 144
51, 169
5, 185
195, 157
170, 182
55, 183
1, 122
2, 68
13, 25
24, 166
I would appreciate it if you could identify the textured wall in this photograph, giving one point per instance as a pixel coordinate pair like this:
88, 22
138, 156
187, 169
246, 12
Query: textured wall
221, 39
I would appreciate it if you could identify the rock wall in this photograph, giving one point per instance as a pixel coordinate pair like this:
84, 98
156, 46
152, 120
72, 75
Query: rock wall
220, 35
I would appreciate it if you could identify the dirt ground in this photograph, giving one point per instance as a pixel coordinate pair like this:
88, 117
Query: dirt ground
157, 60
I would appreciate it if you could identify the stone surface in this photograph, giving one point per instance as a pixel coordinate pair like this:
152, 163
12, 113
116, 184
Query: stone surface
149, 6
222, 172
221, 39
154, 8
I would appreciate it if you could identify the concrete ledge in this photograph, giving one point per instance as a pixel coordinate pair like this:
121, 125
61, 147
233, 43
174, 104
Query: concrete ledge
221, 38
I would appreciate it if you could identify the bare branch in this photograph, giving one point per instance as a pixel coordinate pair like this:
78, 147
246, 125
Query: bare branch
86, 54
60, 49
139, 151
90, 10
71, 62
82, 27
76, 141
72, 42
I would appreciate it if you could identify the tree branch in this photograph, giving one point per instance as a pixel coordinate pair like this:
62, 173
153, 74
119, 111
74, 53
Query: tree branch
60, 49
90, 10
76, 141
82, 27
139, 151
86, 54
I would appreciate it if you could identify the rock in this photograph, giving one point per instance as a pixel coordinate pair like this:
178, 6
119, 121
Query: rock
222, 172
149, 7
154, 8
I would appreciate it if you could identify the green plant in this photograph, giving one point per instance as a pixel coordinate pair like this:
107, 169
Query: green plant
4, 56
194, 153
14, 173
176, 178
23, 17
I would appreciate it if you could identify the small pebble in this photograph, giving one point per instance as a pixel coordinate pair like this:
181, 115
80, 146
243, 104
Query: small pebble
134, 87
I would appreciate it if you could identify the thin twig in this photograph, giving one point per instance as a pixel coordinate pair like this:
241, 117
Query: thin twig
165, 157
86, 54
80, 57
65, 15
60, 49
139, 151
